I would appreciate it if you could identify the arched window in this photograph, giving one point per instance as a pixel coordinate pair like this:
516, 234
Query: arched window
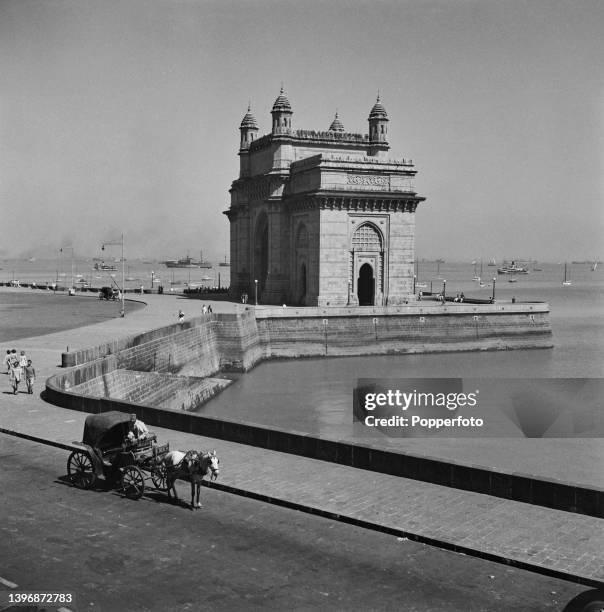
367, 238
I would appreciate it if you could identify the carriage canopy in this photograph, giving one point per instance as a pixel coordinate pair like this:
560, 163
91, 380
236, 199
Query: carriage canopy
106, 430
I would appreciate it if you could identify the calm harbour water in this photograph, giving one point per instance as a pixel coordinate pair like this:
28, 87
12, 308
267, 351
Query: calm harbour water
315, 395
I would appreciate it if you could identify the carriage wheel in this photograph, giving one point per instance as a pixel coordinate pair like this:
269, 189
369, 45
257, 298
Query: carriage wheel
80, 470
159, 478
133, 482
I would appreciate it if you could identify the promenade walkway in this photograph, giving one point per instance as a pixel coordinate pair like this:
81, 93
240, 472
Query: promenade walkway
549, 541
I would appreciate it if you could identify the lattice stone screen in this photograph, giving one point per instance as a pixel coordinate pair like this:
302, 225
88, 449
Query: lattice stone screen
366, 238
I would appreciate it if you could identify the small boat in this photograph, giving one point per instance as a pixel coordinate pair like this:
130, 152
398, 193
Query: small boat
206, 278
477, 276
224, 263
105, 267
492, 262
594, 266
566, 282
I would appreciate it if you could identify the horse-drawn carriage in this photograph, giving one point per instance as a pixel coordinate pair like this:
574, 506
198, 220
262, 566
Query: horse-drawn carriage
108, 293
105, 451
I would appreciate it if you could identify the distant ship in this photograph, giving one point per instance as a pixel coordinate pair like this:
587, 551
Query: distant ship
105, 267
224, 263
185, 262
188, 262
512, 268
492, 262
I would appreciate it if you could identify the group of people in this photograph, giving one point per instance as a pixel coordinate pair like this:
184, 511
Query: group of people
19, 367
205, 310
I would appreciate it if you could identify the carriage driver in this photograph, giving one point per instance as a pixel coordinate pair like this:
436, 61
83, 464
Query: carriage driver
137, 430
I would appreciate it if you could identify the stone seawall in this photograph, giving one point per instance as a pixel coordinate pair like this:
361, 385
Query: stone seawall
294, 332
204, 346
157, 373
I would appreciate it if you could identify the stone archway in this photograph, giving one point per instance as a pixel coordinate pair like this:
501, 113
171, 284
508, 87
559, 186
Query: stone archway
366, 286
367, 266
301, 267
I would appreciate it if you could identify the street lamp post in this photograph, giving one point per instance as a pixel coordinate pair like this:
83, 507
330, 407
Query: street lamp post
152, 279
444, 290
256, 285
70, 247
494, 281
120, 242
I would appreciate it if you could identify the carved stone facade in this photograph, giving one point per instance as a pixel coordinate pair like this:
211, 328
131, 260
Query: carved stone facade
322, 218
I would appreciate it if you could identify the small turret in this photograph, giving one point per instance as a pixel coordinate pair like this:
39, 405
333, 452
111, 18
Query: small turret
249, 129
378, 128
336, 125
282, 114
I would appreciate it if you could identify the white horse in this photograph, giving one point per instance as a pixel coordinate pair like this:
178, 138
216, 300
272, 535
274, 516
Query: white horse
191, 466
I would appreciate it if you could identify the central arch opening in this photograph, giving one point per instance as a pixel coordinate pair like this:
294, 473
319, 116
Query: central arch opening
366, 286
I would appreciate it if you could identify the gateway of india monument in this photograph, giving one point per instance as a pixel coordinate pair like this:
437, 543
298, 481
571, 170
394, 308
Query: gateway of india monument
322, 218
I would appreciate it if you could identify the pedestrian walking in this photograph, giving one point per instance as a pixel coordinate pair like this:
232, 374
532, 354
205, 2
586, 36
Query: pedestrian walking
15, 372
204, 309
181, 317
7, 361
23, 359
30, 376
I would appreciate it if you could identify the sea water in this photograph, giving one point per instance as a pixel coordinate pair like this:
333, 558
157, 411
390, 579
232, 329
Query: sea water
315, 395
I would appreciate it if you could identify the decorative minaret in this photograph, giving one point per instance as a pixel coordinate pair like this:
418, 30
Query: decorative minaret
249, 129
249, 132
282, 114
336, 125
378, 129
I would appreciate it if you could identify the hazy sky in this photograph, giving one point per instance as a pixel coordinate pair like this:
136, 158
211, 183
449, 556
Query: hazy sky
123, 116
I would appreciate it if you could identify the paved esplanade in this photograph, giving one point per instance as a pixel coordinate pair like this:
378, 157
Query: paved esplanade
564, 542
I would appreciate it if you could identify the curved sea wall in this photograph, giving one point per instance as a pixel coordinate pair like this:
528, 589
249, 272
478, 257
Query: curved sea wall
164, 373
140, 369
